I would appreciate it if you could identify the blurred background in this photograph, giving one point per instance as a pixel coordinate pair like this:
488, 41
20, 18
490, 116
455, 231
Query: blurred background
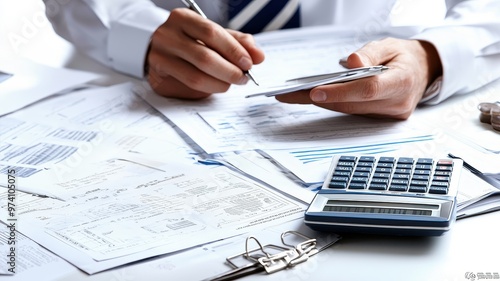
25, 30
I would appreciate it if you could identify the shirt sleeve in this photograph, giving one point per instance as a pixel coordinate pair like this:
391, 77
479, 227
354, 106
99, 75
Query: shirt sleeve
468, 43
114, 32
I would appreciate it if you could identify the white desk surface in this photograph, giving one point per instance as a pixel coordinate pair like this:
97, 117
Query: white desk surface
472, 245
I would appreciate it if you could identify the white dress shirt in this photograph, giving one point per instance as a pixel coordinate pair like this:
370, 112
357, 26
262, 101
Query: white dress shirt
117, 32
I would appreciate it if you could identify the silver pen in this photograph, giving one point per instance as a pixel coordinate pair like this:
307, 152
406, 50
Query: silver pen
191, 4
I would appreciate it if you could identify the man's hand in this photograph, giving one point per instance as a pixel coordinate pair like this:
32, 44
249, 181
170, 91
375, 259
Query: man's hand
413, 65
191, 57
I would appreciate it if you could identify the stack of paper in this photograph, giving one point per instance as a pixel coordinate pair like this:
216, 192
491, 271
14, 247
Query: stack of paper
23, 82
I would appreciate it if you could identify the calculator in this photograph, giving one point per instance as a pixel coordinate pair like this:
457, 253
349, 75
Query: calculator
386, 195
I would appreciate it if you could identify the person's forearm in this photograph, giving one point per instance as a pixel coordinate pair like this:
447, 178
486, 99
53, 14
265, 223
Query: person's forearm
468, 44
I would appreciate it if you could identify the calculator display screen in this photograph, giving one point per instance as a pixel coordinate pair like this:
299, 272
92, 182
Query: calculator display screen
379, 207
377, 210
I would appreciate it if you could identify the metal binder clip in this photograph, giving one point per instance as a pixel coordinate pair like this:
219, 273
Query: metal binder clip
270, 258
253, 255
304, 249
260, 259
275, 262
271, 263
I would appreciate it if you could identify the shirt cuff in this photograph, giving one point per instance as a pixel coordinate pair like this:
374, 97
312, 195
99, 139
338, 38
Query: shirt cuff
432, 92
129, 39
456, 60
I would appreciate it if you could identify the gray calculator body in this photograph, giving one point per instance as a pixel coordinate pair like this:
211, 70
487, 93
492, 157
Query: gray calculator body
387, 195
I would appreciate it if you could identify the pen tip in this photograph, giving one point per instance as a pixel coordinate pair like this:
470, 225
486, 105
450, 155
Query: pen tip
250, 75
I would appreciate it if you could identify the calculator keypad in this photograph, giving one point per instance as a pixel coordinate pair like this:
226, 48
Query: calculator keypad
403, 174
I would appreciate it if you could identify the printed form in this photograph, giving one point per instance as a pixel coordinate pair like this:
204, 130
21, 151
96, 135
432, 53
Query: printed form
34, 261
117, 222
53, 139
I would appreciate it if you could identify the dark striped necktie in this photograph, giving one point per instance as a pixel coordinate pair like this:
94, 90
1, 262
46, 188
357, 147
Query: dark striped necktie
254, 16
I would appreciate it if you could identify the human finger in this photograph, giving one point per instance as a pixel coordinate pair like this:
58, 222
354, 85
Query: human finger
248, 42
218, 39
173, 39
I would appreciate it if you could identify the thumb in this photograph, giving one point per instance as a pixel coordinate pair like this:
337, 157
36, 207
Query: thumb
358, 59
373, 53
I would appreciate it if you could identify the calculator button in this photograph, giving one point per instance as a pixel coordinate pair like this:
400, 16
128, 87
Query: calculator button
423, 167
401, 176
366, 159
363, 169
404, 166
345, 164
405, 160
442, 173
361, 174
381, 175
444, 162
380, 181
365, 164
340, 179
421, 177
385, 165
378, 186
397, 187
425, 161
383, 170
341, 174
337, 185
444, 168
386, 160
438, 190
422, 172
440, 183
402, 171
400, 182
359, 180
419, 183
347, 158
357, 185
418, 186
417, 189
441, 178
343, 169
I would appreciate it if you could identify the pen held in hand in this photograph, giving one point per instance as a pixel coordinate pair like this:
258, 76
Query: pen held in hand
191, 4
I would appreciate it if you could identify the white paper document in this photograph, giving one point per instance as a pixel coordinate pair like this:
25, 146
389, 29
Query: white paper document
120, 221
51, 141
476, 196
227, 122
33, 262
210, 260
23, 82
255, 165
311, 164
